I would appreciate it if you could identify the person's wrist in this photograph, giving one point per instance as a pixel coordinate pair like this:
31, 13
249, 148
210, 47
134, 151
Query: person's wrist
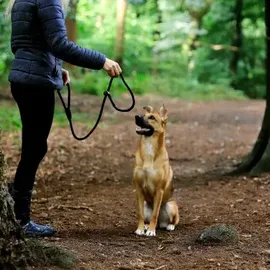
103, 60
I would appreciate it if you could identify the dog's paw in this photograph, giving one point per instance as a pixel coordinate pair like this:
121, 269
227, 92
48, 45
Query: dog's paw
146, 226
170, 227
150, 233
139, 232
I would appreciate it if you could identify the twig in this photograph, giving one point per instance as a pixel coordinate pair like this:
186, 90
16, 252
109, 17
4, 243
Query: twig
160, 267
60, 206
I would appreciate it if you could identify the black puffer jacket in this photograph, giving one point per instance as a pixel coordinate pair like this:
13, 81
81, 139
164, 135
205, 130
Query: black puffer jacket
39, 43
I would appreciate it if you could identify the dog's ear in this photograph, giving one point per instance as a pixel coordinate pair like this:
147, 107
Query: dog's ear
149, 109
163, 112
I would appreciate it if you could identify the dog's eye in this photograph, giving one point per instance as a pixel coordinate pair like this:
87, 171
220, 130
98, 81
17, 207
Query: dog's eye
151, 117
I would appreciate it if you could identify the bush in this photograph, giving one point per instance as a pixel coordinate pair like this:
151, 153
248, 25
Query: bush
95, 83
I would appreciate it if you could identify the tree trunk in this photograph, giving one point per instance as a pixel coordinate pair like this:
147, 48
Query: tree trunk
71, 24
197, 26
238, 37
196, 15
13, 251
258, 161
16, 252
120, 30
156, 36
103, 7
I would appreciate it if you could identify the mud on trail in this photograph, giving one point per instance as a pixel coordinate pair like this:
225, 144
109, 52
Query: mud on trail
84, 189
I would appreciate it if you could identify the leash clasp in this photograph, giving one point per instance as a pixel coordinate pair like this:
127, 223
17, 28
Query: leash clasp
106, 93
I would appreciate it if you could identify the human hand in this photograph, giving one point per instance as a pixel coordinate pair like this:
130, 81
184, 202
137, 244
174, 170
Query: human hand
65, 76
112, 68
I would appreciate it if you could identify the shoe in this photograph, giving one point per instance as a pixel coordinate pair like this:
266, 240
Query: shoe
31, 229
22, 211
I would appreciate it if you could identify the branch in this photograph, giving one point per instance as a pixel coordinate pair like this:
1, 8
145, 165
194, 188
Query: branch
216, 47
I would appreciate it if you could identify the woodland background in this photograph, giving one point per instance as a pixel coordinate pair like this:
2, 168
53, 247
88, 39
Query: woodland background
192, 49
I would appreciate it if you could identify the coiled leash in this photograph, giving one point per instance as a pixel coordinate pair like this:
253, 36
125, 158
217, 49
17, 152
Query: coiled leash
107, 94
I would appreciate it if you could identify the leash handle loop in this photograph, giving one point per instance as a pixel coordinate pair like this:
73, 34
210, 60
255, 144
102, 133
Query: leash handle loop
106, 94
130, 92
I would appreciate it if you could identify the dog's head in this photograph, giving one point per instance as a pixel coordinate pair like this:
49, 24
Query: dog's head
152, 121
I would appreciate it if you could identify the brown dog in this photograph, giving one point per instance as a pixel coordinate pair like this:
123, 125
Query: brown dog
153, 175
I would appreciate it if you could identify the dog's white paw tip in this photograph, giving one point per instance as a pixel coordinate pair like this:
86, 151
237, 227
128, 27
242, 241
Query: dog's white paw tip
170, 227
146, 227
150, 233
139, 232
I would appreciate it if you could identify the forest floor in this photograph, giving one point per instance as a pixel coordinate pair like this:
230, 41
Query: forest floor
85, 189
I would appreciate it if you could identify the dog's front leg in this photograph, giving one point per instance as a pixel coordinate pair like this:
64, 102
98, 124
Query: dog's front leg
151, 231
140, 209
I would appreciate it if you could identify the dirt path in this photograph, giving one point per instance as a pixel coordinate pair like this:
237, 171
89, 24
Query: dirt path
84, 189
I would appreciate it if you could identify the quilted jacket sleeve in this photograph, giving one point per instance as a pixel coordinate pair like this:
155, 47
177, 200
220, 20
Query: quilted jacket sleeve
53, 23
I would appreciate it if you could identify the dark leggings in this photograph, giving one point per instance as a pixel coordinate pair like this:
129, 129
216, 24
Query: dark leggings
36, 106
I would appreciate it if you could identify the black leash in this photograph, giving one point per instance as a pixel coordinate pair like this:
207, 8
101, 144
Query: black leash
106, 94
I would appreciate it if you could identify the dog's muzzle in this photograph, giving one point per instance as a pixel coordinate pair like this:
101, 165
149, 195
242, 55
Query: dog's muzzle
143, 126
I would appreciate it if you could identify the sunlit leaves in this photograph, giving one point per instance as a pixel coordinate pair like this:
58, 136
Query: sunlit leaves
136, 2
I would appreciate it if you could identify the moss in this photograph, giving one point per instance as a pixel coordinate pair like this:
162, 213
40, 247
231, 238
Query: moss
48, 254
218, 234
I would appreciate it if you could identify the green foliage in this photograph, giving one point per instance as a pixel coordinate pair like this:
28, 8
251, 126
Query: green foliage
83, 117
95, 83
5, 53
175, 86
10, 117
185, 46
192, 90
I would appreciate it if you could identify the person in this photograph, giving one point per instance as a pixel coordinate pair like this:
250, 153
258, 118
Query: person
39, 43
